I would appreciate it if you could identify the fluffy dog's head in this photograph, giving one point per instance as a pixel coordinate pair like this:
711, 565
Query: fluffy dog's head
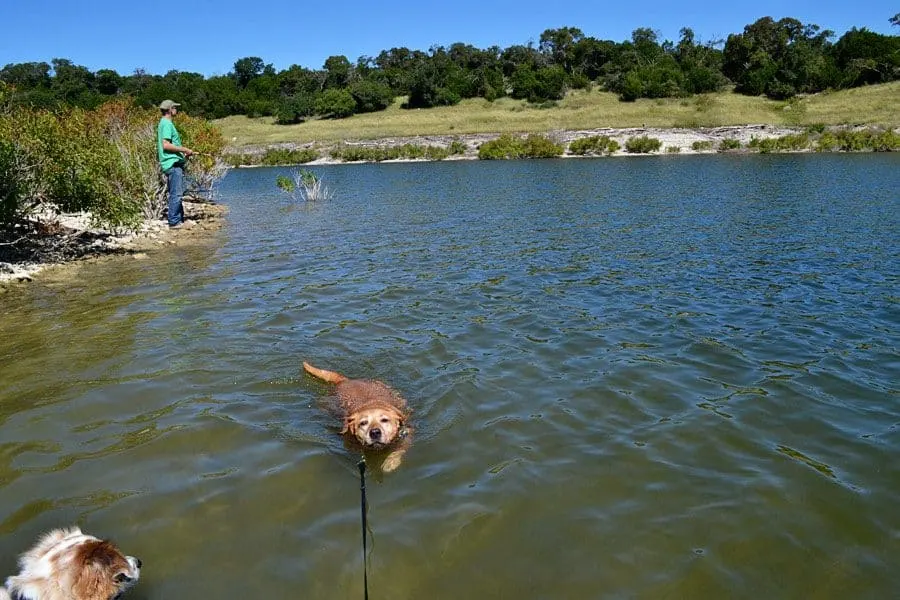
69, 565
375, 427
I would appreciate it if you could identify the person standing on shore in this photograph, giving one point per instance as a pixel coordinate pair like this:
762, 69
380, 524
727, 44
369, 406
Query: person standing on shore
172, 156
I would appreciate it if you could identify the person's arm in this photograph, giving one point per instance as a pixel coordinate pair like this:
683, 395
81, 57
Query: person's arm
168, 146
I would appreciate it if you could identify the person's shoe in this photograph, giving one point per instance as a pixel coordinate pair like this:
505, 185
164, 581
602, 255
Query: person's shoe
183, 225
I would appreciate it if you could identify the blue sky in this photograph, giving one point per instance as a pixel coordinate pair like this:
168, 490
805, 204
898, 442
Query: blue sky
207, 37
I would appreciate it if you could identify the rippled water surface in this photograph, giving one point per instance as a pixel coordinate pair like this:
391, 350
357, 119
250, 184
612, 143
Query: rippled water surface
632, 378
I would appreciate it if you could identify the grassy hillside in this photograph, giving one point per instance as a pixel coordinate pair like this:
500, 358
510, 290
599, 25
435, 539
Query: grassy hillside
581, 110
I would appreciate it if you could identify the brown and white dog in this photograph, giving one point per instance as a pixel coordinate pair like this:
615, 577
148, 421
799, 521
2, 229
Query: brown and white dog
69, 565
373, 412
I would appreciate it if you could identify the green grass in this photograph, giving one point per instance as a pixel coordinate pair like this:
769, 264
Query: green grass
580, 109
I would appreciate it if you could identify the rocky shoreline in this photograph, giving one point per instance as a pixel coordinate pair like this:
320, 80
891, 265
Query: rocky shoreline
62, 239
681, 138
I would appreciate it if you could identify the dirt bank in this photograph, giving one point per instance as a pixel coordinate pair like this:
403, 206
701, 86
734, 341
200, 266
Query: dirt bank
60, 239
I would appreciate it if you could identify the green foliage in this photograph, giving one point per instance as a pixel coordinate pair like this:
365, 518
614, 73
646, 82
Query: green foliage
785, 143
436, 153
457, 147
593, 145
294, 109
285, 184
539, 146
729, 144
507, 147
285, 156
702, 146
780, 58
816, 128
642, 145
826, 142
849, 140
371, 96
673, 149
102, 161
13, 182
348, 153
336, 103
240, 160
886, 141
303, 178
303, 185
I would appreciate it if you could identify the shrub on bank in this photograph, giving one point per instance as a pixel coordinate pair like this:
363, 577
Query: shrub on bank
861, 140
508, 147
348, 153
593, 145
102, 161
642, 145
785, 143
729, 144
284, 156
539, 146
702, 146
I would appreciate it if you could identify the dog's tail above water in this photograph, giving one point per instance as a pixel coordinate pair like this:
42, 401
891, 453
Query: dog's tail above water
329, 376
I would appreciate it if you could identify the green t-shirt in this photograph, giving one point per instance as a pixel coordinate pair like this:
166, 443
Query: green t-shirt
167, 131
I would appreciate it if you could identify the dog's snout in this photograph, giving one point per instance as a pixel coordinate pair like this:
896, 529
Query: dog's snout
138, 562
375, 433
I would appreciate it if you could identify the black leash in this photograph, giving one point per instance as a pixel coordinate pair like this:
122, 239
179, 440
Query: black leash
364, 509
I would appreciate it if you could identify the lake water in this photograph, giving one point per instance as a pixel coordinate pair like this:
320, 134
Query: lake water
671, 377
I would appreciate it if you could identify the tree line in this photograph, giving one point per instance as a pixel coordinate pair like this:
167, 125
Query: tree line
779, 59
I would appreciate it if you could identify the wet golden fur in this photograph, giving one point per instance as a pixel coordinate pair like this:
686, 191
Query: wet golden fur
373, 413
67, 564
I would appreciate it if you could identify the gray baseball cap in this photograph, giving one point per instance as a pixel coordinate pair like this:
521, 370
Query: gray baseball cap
167, 104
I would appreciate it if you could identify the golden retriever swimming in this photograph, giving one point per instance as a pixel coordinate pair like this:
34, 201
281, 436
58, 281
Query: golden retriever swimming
373, 412
69, 565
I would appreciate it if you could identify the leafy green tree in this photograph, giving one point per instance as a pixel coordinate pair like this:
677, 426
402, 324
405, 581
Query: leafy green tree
542, 84
515, 56
559, 45
73, 84
778, 58
371, 95
865, 57
220, 97
591, 55
26, 76
336, 104
398, 66
32, 84
248, 68
295, 109
700, 64
436, 81
337, 72
108, 82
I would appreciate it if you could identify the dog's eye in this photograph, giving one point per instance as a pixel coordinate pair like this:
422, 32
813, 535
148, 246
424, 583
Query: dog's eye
384, 420
122, 578
364, 422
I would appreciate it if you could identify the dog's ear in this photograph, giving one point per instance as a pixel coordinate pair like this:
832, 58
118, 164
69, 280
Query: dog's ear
351, 424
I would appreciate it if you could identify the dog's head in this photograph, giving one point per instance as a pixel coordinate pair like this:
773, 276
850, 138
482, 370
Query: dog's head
375, 427
69, 564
